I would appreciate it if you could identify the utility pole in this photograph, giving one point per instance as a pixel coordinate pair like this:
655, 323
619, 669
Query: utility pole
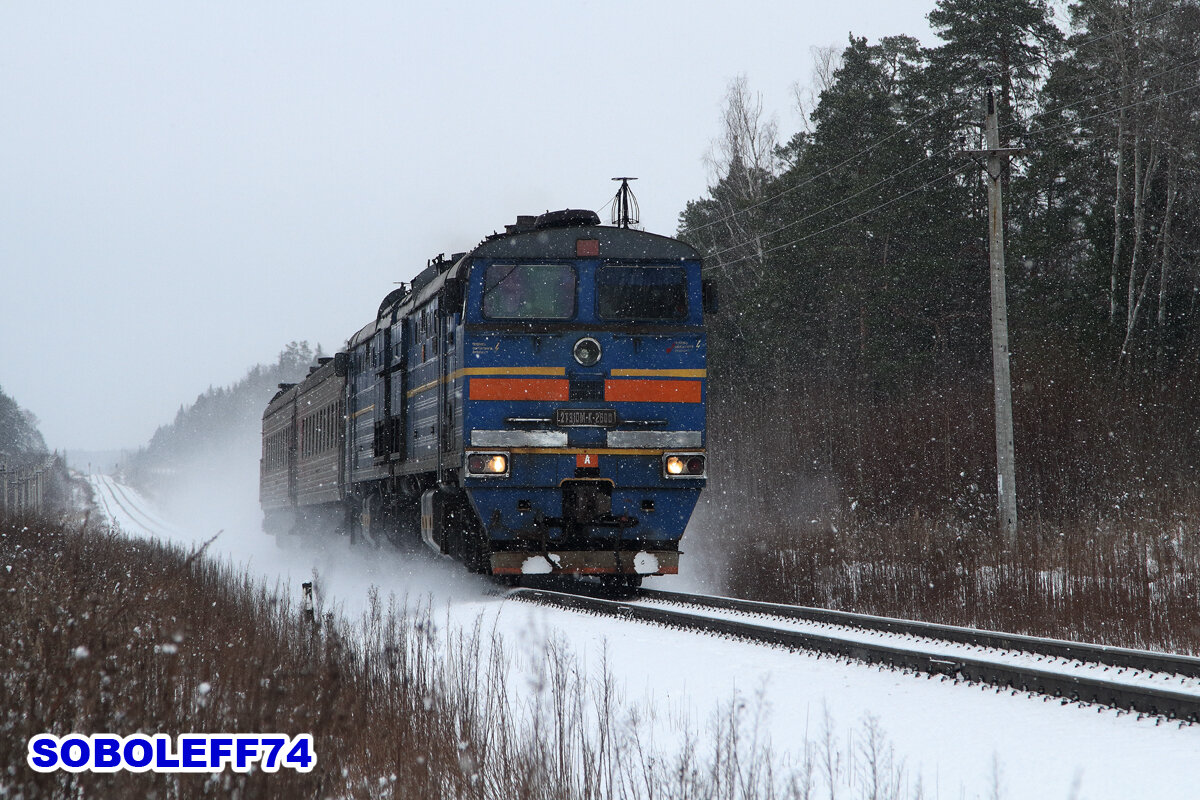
1006, 482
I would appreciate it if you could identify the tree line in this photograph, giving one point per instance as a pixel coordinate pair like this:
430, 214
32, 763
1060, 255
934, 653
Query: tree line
31, 479
222, 422
20, 439
852, 257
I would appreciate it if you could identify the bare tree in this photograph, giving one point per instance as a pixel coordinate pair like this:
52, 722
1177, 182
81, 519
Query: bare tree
825, 63
741, 163
1139, 45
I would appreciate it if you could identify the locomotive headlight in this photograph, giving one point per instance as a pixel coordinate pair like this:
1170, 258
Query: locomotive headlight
487, 464
674, 465
587, 351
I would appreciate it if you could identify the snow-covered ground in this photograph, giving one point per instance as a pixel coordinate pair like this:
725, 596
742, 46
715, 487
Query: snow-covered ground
940, 648
956, 740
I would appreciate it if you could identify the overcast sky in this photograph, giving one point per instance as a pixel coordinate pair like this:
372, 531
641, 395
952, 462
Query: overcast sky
186, 187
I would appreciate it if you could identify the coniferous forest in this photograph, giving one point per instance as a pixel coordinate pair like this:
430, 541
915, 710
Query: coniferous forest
219, 428
851, 361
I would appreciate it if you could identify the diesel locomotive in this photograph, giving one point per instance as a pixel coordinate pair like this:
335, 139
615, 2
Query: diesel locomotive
534, 406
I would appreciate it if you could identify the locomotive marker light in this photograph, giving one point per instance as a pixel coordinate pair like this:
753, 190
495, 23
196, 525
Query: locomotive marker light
488, 464
587, 351
683, 465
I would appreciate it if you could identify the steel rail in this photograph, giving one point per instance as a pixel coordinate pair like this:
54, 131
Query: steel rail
1126, 658
135, 510
1070, 688
100, 495
132, 512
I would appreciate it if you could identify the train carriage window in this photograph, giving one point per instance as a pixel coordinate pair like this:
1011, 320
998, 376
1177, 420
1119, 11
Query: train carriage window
529, 291
642, 293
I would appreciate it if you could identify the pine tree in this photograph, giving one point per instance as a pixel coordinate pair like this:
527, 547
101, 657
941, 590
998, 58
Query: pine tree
1009, 43
19, 434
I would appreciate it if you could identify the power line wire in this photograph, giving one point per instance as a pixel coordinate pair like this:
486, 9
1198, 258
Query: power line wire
847, 221
946, 149
873, 146
1149, 99
807, 181
1092, 98
922, 186
844, 200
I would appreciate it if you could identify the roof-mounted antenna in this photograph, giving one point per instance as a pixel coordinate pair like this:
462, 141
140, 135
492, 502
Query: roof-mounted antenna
625, 207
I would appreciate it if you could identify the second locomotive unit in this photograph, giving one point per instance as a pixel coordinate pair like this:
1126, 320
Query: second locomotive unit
536, 405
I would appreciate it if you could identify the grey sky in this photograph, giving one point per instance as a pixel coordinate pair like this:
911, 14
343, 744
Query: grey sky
184, 188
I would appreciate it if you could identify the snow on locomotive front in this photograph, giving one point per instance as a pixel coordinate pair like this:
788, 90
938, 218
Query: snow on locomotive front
583, 384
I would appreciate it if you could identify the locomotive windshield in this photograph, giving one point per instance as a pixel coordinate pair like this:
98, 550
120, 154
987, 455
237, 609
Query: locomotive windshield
642, 293
529, 291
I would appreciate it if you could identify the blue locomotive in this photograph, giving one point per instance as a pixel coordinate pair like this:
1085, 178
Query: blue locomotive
534, 406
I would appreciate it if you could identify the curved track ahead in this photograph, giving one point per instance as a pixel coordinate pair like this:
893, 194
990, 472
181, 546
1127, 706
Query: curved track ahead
1150, 683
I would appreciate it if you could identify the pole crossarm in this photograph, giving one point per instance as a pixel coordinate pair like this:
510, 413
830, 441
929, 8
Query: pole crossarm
996, 151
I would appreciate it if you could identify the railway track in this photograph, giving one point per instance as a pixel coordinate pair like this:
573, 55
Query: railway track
124, 510
1157, 684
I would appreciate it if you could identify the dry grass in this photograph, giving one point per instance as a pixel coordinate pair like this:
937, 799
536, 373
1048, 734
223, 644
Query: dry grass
1114, 585
108, 634
887, 506
104, 633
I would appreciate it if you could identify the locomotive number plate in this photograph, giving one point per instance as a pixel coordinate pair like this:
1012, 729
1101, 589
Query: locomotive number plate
586, 417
